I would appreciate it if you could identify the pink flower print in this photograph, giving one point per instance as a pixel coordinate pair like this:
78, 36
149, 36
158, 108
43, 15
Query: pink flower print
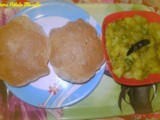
54, 89
41, 105
7, 14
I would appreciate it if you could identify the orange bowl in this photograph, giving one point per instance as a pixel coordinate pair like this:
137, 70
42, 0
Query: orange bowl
151, 17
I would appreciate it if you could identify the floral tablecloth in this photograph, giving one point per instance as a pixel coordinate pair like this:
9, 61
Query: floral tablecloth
94, 106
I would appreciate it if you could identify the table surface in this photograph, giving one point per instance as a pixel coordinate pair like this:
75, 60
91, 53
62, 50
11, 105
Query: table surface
102, 103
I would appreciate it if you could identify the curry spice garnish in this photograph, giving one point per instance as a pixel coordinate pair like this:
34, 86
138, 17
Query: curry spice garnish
138, 45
